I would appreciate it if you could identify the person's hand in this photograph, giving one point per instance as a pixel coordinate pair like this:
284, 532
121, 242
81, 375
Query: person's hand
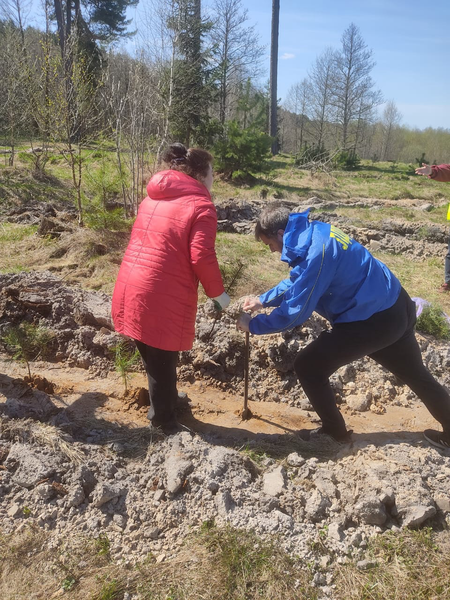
424, 170
251, 303
222, 301
243, 322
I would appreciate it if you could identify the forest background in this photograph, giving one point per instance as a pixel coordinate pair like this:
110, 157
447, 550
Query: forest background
193, 78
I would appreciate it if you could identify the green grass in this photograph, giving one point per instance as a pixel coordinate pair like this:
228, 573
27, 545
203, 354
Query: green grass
421, 279
11, 232
381, 180
262, 269
218, 563
409, 565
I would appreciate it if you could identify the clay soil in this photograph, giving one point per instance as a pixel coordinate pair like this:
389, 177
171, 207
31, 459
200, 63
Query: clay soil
99, 403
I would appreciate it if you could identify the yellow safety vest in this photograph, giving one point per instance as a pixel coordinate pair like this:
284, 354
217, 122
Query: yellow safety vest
448, 213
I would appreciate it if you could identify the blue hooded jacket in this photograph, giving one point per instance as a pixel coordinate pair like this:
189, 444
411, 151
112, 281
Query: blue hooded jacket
331, 274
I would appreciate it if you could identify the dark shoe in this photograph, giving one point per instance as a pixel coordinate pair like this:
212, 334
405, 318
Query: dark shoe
437, 438
445, 287
167, 426
314, 434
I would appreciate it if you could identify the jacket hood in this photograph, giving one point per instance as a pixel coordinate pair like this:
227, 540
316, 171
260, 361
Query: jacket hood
170, 184
297, 237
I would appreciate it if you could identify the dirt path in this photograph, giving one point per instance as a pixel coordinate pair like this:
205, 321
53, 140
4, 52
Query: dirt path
98, 402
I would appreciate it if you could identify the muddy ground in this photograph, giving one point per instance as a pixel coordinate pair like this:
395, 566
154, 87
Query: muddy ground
386, 478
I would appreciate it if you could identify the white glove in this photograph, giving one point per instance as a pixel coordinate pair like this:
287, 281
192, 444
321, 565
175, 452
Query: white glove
222, 301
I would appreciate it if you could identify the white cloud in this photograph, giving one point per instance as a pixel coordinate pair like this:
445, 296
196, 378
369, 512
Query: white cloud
287, 56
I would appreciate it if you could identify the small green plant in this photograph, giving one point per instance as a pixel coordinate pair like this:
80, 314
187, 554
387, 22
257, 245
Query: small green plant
422, 160
110, 590
433, 321
257, 456
98, 217
102, 545
68, 583
126, 357
27, 342
26, 511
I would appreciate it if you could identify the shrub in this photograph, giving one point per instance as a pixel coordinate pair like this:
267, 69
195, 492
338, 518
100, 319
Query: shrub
243, 150
346, 160
422, 160
433, 321
98, 217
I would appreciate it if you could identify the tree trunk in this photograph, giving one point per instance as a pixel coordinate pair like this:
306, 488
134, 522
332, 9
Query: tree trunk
273, 112
61, 26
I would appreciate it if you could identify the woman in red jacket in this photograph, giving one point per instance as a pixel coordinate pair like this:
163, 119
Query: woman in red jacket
440, 173
171, 249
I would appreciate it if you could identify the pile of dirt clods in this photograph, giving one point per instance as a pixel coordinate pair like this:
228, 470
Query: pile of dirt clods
84, 337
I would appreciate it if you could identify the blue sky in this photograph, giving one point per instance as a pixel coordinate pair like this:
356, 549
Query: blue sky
410, 42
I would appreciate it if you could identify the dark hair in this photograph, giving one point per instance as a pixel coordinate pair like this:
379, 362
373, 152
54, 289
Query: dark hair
272, 218
193, 162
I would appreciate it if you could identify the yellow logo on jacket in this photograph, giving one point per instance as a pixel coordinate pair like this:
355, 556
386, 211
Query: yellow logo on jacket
340, 237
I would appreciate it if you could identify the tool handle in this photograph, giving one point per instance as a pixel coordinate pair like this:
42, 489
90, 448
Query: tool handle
246, 367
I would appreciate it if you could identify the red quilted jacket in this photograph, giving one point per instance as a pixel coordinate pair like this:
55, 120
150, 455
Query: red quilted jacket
440, 172
171, 249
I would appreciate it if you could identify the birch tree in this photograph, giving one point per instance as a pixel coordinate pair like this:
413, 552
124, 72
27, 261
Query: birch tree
237, 53
354, 95
322, 79
389, 123
298, 102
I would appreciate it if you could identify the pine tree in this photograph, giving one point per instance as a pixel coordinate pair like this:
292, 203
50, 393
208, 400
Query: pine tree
191, 85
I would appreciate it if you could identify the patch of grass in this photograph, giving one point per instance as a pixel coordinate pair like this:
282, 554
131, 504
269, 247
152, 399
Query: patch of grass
409, 565
258, 457
263, 269
433, 321
11, 232
281, 448
252, 568
112, 589
215, 563
421, 279
103, 545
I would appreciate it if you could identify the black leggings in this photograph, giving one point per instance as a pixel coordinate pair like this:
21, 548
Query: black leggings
387, 337
161, 367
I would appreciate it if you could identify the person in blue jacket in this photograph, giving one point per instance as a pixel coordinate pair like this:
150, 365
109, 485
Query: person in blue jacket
370, 313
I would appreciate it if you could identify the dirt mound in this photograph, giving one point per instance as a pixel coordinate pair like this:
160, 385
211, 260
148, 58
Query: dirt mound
417, 240
79, 320
84, 337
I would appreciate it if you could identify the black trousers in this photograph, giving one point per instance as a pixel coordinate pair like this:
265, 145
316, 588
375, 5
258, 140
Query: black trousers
387, 337
161, 367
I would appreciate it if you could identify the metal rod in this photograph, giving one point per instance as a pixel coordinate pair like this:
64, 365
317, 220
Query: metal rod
246, 363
